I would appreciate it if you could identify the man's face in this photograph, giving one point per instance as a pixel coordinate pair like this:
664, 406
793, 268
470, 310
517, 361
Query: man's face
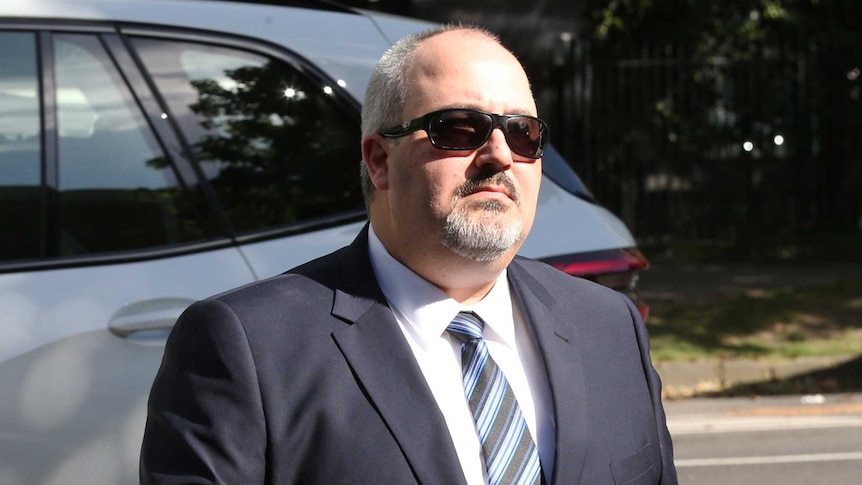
479, 203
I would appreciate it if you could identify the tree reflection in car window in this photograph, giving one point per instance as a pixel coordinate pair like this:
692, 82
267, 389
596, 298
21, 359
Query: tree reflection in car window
112, 197
274, 146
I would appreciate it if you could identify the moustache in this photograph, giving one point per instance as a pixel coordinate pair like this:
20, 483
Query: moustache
499, 179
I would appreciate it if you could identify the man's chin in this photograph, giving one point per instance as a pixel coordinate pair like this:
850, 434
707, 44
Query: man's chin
483, 240
496, 222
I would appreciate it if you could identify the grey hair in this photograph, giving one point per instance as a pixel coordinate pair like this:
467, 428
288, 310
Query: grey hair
388, 88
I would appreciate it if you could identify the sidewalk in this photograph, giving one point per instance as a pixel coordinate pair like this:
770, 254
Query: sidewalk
791, 405
750, 376
683, 281
701, 415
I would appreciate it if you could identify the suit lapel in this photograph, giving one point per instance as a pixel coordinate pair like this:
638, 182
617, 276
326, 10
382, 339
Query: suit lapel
558, 346
386, 369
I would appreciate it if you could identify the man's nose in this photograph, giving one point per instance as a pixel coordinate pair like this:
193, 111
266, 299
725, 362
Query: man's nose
495, 152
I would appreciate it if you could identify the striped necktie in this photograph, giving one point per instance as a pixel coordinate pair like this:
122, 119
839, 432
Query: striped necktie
510, 453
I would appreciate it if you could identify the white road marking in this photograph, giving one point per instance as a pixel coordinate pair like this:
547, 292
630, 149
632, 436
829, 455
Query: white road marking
726, 424
767, 460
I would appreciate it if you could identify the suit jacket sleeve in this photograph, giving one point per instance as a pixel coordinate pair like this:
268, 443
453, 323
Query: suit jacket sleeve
668, 476
205, 419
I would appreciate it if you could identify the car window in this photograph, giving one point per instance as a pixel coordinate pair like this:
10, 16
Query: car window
20, 148
275, 147
117, 190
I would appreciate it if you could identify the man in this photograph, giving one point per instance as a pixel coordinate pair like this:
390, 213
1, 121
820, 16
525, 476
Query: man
349, 369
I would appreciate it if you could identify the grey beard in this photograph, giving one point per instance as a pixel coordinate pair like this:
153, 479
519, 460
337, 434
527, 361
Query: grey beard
473, 232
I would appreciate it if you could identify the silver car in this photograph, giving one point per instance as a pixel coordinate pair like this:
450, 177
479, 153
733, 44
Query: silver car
153, 153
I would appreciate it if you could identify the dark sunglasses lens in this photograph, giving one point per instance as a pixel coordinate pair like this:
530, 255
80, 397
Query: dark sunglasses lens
525, 136
459, 130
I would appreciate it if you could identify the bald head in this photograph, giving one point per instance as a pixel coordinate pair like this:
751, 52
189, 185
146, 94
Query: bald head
467, 61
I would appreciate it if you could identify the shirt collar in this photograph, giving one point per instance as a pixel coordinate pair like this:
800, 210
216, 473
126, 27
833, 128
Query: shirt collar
427, 308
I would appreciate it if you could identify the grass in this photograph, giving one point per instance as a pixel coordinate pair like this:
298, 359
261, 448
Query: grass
824, 320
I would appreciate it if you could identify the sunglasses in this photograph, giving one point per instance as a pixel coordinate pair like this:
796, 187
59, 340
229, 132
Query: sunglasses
469, 129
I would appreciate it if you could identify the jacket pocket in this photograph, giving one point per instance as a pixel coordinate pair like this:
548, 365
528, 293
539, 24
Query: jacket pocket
634, 470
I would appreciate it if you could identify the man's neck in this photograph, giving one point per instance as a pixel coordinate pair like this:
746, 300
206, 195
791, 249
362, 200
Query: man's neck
466, 281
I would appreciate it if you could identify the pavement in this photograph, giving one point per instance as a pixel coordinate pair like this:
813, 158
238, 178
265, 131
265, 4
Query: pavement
752, 376
748, 377
710, 415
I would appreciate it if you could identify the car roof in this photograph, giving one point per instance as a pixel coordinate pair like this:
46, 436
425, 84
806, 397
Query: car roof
344, 43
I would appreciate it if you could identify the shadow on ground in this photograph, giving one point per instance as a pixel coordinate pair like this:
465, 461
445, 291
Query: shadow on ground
846, 377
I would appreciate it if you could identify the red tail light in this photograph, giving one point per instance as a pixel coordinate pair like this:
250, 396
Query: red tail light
614, 268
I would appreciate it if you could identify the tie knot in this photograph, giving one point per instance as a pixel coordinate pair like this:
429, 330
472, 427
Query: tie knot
466, 326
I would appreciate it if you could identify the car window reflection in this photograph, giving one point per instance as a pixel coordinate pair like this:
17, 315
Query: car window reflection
275, 147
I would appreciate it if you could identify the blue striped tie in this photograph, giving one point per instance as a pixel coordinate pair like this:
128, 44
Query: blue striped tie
510, 453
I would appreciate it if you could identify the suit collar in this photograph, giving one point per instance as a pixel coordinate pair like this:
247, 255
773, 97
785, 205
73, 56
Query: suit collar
556, 338
376, 351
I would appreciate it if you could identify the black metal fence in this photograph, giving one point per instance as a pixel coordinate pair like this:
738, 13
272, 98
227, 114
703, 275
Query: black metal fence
748, 156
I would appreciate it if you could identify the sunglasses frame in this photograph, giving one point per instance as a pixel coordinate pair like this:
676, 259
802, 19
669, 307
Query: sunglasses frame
424, 123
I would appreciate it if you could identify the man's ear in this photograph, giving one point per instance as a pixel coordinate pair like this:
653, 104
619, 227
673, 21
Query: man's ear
375, 153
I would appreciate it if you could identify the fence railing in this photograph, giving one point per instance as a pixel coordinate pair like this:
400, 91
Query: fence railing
721, 151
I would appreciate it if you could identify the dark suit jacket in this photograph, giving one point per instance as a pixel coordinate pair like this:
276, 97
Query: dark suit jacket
306, 378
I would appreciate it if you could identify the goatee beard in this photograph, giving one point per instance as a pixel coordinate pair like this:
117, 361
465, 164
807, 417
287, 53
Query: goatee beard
480, 231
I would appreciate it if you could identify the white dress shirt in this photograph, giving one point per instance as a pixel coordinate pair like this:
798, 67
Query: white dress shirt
423, 312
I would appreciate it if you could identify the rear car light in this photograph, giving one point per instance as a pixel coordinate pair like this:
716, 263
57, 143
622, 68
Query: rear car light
614, 268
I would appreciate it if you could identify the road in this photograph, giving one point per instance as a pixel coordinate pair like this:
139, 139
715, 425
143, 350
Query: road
782, 441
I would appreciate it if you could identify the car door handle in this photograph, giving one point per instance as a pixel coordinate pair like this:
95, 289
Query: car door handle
158, 314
